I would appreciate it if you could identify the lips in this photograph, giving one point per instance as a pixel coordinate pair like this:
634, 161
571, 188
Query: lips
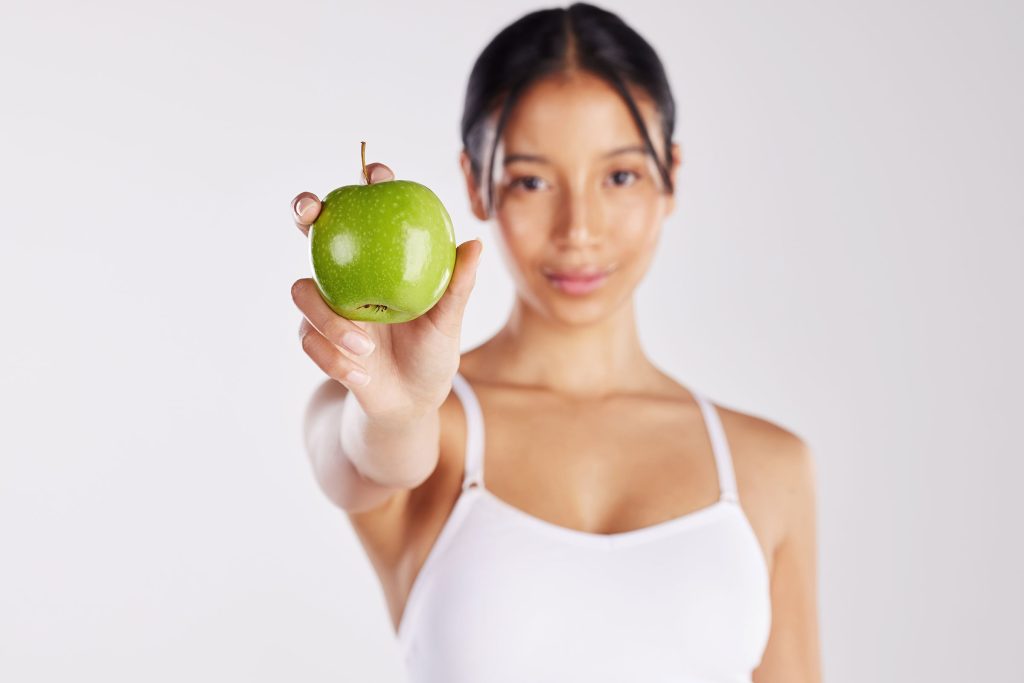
583, 274
577, 281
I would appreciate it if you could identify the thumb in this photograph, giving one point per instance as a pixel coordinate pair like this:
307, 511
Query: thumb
447, 313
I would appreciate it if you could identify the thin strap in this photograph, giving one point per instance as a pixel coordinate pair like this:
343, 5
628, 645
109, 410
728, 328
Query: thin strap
474, 467
720, 447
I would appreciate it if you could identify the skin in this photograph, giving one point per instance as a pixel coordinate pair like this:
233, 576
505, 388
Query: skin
569, 397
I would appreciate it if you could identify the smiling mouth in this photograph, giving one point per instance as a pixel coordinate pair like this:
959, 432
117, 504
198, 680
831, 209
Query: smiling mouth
576, 284
577, 273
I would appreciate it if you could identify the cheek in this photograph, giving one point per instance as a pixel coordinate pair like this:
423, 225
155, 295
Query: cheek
635, 225
524, 242
525, 232
526, 218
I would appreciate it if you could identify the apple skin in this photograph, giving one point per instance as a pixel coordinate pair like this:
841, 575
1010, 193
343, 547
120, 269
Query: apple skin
383, 252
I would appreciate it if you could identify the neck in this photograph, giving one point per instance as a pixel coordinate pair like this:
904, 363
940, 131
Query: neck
583, 360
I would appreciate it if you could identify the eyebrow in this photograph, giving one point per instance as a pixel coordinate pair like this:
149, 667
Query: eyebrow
544, 160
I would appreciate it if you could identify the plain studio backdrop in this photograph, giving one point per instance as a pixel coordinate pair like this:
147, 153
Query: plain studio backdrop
845, 260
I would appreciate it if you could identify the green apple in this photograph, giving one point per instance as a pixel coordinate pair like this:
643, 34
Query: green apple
383, 252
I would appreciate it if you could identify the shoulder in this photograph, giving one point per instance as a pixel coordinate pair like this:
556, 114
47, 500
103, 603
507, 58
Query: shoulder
775, 471
773, 449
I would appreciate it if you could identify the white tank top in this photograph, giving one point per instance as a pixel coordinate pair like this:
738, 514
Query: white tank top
506, 597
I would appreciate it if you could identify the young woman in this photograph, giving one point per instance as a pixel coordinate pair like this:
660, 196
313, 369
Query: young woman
610, 523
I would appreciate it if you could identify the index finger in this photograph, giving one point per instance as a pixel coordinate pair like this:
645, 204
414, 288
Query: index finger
305, 209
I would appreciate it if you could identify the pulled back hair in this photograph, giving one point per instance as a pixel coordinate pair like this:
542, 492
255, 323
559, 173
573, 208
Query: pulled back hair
554, 41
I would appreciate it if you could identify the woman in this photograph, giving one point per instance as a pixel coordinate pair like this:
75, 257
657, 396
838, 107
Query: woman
627, 529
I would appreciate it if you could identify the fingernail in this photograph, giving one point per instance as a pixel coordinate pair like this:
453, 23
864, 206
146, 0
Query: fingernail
357, 343
302, 205
357, 377
377, 174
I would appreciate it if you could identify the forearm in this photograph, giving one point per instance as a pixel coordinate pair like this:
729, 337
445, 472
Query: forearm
394, 455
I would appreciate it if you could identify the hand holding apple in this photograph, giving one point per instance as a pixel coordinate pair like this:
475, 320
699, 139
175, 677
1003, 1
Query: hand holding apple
413, 361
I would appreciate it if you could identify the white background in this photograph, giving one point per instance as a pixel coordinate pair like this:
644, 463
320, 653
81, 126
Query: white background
845, 260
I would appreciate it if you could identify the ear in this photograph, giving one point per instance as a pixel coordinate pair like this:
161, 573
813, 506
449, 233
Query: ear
673, 173
476, 202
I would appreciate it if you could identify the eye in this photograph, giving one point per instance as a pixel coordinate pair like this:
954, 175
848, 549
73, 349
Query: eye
623, 172
529, 182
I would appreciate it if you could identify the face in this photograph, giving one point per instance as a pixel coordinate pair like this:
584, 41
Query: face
576, 190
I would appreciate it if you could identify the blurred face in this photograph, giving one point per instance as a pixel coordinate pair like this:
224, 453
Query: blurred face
578, 201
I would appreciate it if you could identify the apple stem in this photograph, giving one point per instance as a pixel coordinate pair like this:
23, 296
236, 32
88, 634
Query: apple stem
362, 151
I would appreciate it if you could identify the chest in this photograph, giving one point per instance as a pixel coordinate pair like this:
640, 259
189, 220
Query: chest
601, 467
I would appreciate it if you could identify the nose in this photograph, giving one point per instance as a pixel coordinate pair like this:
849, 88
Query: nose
575, 226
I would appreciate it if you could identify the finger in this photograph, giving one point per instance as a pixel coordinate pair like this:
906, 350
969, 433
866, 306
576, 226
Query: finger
378, 173
447, 313
305, 209
337, 329
335, 364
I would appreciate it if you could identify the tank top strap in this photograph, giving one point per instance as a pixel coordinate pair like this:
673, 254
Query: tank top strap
720, 447
474, 465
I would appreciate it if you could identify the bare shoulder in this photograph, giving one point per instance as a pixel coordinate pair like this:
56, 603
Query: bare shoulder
772, 448
775, 472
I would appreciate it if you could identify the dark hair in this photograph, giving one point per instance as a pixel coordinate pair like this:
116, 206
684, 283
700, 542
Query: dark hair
557, 40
